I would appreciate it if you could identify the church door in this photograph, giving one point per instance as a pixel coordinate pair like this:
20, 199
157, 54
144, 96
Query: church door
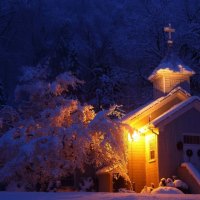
191, 149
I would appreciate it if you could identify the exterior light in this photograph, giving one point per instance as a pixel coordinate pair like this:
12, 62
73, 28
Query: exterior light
134, 136
143, 130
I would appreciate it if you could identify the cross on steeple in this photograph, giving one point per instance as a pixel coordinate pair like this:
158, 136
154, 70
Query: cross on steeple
169, 30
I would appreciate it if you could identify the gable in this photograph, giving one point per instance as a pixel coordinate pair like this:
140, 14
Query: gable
192, 103
153, 110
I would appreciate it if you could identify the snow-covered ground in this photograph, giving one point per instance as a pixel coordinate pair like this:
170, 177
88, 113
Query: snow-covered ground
92, 196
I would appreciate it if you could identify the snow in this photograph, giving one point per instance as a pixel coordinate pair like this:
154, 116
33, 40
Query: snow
174, 109
193, 171
180, 184
167, 183
135, 113
146, 190
166, 190
170, 182
106, 169
41, 155
172, 63
86, 184
93, 195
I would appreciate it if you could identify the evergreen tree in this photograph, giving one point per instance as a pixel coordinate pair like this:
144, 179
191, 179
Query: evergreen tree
2, 95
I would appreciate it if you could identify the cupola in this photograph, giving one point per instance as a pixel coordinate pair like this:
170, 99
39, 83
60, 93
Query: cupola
171, 72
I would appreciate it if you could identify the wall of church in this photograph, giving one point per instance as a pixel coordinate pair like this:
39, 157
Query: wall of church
105, 182
151, 160
136, 163
169, 135
158, 87
174, 81
165, 83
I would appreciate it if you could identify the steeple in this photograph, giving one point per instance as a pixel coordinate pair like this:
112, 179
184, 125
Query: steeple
171, 72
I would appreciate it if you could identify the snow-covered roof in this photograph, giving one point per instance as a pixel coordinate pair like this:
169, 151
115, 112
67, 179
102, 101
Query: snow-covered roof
151, 104
172, 63
174, 109
193, 171
107, 169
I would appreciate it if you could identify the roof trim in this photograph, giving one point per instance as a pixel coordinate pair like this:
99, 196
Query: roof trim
172, 63
149, 105
167, 71
174, 110
107, 169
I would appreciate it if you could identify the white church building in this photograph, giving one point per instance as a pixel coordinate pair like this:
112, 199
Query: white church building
167, 129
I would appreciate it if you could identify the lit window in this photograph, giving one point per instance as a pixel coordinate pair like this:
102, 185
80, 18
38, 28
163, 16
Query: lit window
152, 148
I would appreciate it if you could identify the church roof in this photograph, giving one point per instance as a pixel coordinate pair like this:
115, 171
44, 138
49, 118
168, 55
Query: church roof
173, 63
107, 169
177, 108
135, 113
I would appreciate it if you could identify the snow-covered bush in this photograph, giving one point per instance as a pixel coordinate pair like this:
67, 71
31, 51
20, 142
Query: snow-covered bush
167, 186
181, 185
86, 184
169, 182
147, 190
176, 183
166, 190
163, 182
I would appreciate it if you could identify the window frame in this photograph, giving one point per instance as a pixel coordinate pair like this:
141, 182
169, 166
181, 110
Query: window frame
152, 148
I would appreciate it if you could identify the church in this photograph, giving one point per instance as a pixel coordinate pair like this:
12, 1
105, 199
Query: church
166, 130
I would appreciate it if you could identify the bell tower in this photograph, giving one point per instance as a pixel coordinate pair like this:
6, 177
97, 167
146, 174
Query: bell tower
171, 72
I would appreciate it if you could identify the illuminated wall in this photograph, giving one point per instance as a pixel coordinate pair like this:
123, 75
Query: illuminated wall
151, 159
166, 81
136, 162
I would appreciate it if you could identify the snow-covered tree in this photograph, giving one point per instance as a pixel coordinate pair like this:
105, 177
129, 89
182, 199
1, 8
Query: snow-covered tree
56, 135
109, 142
108, 86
